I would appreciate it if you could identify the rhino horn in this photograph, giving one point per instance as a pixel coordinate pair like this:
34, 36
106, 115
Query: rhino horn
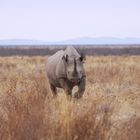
75, 67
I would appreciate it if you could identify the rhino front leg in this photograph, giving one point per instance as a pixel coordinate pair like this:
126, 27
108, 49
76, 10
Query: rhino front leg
54, 90
64, 84
68, 93
81, 88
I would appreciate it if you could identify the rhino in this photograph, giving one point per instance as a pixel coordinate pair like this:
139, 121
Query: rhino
65, 70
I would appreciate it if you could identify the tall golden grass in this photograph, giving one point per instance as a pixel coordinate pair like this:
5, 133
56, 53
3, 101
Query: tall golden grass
109, 109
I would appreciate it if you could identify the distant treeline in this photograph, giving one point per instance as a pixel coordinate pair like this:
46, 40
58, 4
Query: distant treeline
88, 50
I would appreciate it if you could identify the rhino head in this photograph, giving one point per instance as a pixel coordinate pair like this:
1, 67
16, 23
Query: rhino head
74, 68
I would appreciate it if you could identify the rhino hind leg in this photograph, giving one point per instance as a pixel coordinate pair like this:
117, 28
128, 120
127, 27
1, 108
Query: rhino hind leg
53, 89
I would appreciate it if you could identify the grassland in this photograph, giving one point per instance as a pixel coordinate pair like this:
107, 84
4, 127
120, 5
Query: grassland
109, 109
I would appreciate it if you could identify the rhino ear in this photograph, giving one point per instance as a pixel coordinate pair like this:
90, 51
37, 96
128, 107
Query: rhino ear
82, 57
65, 58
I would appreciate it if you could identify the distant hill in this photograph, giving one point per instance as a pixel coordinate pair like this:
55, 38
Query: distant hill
21, 42
76, 41
101, 40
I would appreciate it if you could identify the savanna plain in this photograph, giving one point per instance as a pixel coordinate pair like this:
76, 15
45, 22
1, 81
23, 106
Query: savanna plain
108, 110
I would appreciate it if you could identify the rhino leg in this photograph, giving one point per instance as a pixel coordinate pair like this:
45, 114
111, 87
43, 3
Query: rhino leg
54, 90
67, 88
81, 88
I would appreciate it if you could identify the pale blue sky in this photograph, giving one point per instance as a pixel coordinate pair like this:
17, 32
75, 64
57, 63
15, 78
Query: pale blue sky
54, 20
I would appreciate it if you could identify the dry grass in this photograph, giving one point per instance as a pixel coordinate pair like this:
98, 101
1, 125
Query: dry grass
110, 105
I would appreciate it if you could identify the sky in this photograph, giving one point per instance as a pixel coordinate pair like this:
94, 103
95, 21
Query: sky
56, 20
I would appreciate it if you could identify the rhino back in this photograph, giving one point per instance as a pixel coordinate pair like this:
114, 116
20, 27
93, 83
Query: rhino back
71, 51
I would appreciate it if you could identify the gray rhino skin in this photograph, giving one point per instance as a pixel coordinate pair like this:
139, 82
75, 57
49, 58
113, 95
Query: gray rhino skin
65, 70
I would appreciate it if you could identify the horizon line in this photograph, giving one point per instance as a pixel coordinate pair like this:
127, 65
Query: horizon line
82, 37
